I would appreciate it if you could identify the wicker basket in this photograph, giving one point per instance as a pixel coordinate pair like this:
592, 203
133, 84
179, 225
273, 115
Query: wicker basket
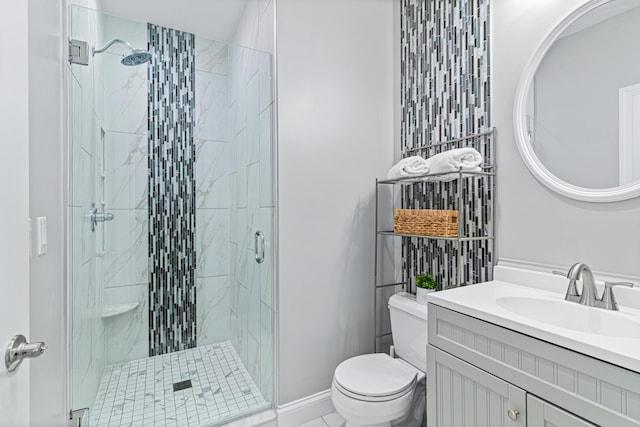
426, 222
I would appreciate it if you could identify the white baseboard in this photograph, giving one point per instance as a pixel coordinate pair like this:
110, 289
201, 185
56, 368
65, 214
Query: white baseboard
304, 410
263, 419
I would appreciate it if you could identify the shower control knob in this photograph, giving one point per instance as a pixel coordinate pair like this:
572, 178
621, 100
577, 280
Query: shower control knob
18, 348
95, 216
513, 414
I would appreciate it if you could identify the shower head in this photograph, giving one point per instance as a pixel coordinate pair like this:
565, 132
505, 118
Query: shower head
135, 56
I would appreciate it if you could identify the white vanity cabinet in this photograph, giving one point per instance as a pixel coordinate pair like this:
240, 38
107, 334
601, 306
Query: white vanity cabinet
467, 396
544, 414
481, 374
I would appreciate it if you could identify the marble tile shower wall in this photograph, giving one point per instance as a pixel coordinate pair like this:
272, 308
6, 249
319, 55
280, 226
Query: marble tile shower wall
125, 192
126, 153
213, 192
86, 264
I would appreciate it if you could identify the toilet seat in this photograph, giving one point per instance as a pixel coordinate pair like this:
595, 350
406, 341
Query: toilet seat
371, 399
375, 377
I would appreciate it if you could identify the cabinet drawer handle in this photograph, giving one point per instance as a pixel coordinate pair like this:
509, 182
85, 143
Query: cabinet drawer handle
513, 414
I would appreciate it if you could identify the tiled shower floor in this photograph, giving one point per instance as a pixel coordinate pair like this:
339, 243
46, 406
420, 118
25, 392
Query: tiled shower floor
141, 392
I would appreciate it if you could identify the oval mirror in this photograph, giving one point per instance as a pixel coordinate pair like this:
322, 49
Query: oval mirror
577, 108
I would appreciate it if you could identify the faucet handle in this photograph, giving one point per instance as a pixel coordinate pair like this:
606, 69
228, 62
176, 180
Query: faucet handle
608, 297
612, 284
572, 290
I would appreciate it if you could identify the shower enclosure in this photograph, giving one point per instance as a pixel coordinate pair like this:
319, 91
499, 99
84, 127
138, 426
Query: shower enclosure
172, 214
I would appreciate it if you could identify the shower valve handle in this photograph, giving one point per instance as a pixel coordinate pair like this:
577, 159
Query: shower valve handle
97, 217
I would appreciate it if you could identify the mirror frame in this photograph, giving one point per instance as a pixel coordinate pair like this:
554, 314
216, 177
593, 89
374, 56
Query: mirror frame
537, 169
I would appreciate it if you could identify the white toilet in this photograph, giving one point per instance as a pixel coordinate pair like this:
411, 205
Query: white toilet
376, 390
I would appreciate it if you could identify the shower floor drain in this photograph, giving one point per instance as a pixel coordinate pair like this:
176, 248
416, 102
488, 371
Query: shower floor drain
182, 385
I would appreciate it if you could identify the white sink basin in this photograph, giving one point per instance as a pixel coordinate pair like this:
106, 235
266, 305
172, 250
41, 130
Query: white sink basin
613, 336
571, 315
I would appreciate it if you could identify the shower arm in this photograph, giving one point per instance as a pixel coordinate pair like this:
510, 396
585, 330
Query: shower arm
110, 43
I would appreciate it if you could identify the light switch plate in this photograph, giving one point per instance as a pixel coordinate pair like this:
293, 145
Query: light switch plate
42, 235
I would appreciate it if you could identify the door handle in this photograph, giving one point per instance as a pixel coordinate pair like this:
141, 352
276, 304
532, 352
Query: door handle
18, 348
258, 244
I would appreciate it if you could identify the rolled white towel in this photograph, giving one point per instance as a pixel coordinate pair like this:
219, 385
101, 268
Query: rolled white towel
407, 167
466, 159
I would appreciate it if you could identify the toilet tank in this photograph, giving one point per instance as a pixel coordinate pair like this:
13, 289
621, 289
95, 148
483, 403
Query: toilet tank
409, 329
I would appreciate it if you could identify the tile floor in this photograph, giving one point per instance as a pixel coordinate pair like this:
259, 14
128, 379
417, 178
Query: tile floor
331, 420
196, 387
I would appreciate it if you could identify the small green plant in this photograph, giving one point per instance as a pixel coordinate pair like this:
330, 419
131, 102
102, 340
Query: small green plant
426, 281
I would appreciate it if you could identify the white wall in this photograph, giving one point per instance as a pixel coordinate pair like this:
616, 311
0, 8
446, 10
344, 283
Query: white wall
14, 176
46, 183
535, 225
335, 71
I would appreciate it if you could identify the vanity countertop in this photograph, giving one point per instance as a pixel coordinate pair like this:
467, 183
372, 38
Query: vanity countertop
487, 301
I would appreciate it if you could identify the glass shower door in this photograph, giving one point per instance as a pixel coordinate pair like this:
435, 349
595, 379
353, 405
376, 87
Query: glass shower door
172, 208
252, 213
87, 297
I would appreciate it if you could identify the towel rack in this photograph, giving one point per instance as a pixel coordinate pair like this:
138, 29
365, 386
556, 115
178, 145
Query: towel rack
451, 141
464, 186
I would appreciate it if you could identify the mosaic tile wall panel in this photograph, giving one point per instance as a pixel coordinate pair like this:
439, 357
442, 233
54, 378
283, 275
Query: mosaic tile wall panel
445, 95
172, 189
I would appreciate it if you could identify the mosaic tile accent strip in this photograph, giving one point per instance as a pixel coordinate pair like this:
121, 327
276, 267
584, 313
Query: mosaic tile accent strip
445, 88
172, 189
141, 392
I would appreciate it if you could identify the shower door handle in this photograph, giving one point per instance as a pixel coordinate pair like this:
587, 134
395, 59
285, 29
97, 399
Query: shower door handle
258, 243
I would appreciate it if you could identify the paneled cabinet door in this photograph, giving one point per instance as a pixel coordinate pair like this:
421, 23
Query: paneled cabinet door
459, 394
543, 414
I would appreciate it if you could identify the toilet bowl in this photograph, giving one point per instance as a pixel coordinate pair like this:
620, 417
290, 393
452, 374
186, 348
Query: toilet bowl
377, 390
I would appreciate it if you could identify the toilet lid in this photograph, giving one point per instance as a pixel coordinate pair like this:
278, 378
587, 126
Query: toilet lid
375, 375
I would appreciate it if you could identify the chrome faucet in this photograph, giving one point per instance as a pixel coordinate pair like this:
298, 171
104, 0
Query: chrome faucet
589, 295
